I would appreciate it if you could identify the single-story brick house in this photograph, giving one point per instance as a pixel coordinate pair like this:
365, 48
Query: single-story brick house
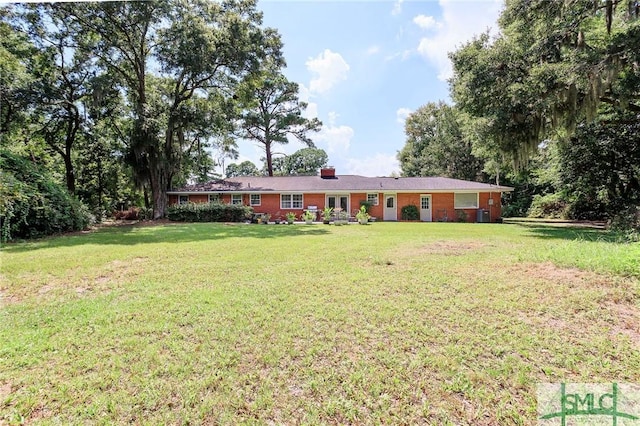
437, 198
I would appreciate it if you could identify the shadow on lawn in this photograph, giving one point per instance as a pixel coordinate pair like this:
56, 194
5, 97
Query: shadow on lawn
570, 233
163, 233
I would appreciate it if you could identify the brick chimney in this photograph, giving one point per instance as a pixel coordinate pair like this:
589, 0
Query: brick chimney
328, 173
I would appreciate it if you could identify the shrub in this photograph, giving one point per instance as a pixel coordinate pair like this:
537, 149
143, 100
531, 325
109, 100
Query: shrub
209, 212
410, 212
552, 206
627, 224
32, 204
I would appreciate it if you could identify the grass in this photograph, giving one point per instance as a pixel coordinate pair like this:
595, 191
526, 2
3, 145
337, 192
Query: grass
393, 323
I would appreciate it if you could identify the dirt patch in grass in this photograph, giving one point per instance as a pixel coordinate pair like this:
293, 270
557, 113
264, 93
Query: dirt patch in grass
449, 248
615, 297
6, 299
549, 272
45, 289
628, 321
5, 390
114, 272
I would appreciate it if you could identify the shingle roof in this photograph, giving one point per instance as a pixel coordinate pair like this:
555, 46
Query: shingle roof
341, 183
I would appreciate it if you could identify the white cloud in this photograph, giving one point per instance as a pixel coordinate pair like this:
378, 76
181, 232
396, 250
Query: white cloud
329, 69
426, 22
404, 55
311, 111
402, 114
337, 138
304, 94
373, 50
397, 7
460, 22
378, 165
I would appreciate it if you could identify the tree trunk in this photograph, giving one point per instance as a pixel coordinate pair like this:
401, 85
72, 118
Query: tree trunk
69, 174
267, 150
158, 181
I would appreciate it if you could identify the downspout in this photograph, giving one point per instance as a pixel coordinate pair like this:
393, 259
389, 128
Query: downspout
490, 205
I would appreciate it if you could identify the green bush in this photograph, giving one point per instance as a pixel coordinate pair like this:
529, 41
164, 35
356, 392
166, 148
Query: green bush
32, 204
550, 206
410, 212
209, 212
627, 224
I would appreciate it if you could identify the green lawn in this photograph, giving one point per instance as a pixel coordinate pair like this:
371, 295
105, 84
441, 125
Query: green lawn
393, 323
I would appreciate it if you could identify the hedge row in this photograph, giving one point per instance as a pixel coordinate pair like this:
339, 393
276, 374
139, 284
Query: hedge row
209, 212
33, 204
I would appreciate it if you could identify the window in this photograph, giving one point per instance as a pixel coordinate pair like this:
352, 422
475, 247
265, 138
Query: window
214, 198
236, 198
255, 199
291, 201
373, 199
183, 199
338, 201
391, 202
425, 202
465, 200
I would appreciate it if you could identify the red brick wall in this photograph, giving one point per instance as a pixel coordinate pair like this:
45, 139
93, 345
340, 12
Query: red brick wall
317, 200
442, 204
198, 198
495, 211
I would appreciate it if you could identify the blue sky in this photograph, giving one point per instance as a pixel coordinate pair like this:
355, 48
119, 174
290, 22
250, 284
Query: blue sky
364, 65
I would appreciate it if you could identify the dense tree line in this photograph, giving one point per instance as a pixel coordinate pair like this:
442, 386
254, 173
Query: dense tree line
551, 105
121, 101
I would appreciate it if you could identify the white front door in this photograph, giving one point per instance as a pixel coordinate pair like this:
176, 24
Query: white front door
425, 208
390, 208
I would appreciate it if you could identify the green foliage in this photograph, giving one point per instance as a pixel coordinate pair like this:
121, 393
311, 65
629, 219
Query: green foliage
308, 215
209, 212
627, 223
461, 216
291, 217
33, 204
438, 145
304, 162
326, 213
246, 168
366, 204
410, 212
601, 166
552, 66
550, 206
272, 111
362, 215
200, 50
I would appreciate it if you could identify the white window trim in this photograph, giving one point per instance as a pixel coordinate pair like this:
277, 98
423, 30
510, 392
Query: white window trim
477, 194
180, 199
290, 196
377, 200
251, 203
214, 198
236, 195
